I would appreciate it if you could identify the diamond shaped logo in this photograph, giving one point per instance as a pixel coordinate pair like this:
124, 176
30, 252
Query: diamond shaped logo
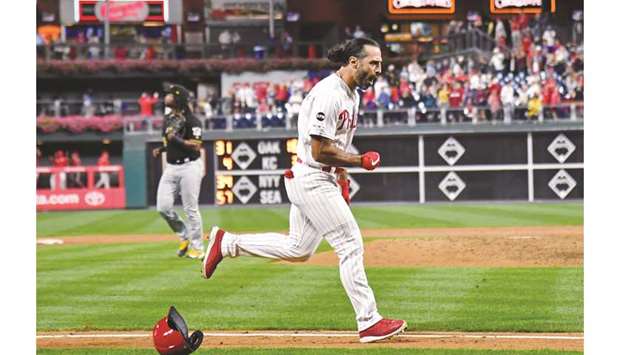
561, 148
243, 155
562, 184
244, 189
451, 151
452, 186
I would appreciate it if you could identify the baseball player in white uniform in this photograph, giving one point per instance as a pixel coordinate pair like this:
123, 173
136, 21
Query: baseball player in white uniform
319, 208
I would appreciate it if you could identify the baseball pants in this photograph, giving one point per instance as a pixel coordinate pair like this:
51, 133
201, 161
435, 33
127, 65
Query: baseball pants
317, 211
183, 179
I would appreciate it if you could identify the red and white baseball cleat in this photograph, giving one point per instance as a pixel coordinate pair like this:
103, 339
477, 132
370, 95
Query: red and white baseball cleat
214, 252
383, 329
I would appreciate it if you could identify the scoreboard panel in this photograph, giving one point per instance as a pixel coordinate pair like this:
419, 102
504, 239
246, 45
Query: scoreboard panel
415, 168
250, 171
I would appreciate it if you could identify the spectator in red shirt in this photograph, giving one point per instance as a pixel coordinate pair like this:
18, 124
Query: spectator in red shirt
149, 53
456, 95
456, 101
495, 87
146, 103
59, 161
281, 95
548, 91
261, 91
120, 52
394, 97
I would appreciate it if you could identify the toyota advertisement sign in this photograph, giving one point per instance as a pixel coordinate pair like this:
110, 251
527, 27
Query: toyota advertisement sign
80, 199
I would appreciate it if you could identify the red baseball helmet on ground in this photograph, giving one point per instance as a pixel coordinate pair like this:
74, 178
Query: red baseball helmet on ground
171, 336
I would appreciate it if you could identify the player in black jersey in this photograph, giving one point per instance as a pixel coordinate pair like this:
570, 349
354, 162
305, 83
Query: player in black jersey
182, 141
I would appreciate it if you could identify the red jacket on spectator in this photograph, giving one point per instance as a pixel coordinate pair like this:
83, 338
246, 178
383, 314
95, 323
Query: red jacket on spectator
495, 87
146, 103
104, 159
120, 52
261, 91
150, 53
555, 98
281, 93
75, 159
456, 97
60, 160
548, 91
394, 97
312, 51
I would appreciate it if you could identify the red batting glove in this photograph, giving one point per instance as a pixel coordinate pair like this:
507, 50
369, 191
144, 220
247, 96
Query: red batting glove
370, 160
344, 189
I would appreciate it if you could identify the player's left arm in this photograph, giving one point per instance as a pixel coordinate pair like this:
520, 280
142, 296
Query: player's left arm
192, 143
195, 141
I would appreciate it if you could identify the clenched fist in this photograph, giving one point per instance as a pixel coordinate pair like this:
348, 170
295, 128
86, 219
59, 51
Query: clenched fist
370, 160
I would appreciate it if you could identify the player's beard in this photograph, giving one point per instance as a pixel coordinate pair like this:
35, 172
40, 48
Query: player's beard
365, 80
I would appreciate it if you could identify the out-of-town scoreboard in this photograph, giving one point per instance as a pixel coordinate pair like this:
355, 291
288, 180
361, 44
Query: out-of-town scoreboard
250, 171
463, 166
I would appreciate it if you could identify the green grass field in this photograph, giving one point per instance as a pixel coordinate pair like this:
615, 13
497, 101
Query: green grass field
130, 286
276, 218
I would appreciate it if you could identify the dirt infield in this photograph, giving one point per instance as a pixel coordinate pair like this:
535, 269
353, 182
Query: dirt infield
471, 247
314, 339
434, 247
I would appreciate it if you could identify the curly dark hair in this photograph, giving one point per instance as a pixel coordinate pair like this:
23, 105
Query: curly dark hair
341, 52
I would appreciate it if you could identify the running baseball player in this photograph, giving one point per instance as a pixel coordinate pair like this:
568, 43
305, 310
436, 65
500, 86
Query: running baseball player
182, 140
319, 209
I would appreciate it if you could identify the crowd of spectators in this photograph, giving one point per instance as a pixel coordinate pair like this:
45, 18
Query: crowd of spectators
88, 43
75, 179
530, 73
515, 83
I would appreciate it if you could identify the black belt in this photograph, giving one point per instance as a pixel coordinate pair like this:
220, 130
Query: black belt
181, 161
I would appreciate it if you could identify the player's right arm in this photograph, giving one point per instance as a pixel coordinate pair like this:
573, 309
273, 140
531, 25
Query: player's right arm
325, 151
323, 118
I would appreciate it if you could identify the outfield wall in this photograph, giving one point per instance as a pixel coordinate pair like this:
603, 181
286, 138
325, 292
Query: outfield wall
435, 163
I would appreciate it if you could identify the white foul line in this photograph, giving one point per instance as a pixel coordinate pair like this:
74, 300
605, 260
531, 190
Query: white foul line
322, 335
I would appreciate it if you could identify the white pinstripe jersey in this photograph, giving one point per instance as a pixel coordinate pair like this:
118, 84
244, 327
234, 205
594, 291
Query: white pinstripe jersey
330, 110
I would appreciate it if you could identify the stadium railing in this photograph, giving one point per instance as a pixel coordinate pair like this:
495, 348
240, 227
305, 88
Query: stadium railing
378, 118
429, 45
73, 116
164, 51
